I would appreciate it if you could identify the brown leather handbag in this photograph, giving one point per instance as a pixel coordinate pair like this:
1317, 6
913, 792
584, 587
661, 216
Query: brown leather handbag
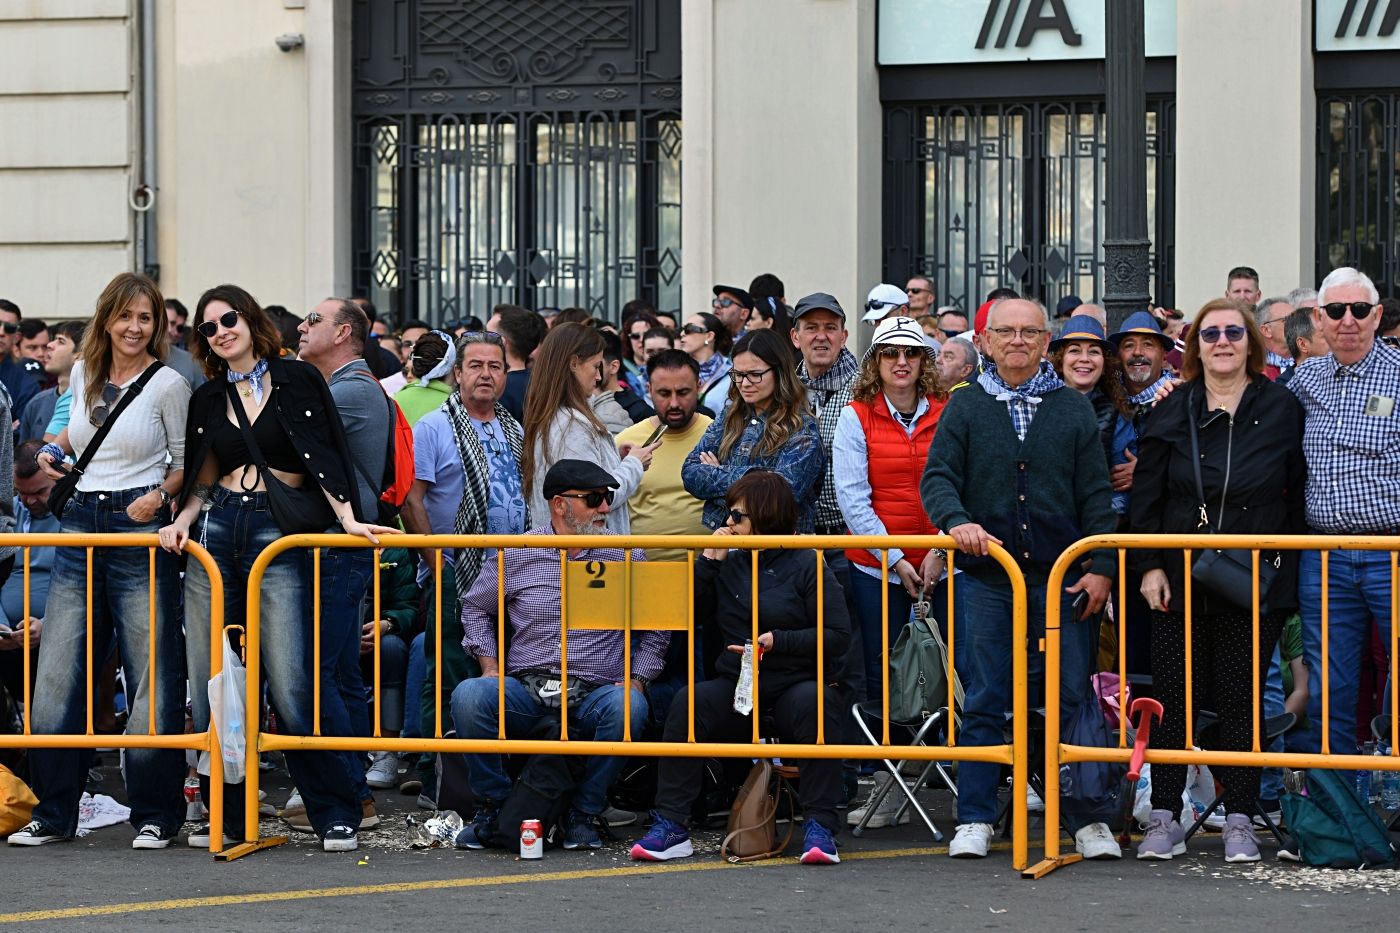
752, 832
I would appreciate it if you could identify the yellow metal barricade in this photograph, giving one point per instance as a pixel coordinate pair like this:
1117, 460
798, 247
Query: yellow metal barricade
200, 741
635, 597
1058, 753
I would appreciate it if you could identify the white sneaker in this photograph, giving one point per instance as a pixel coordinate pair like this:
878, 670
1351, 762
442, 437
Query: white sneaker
1096, 842
1033, 802
884, 814
383, 770
971, 840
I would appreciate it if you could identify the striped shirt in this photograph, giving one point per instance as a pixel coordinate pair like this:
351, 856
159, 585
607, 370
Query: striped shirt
532, 608
1353, 457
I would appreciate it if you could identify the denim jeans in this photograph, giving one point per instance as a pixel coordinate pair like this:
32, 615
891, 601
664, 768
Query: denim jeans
120, 603
869, 616
1358, 591
345, 576
393, 670
236, 528
986, 635
413, 687
598, 717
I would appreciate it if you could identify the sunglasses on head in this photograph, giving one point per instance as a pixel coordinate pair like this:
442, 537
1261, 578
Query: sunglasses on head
109, 398
878, 305
1233, 333
593, 499
1337, 310
227, 320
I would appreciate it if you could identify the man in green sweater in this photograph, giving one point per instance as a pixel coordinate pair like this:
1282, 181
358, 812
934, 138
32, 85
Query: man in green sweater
1017, 461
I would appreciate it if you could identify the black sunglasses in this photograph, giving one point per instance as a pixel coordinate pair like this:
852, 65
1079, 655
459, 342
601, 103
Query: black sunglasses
1337, 310
227, 320
877, 305
694, 329
592, 499
109, 397
9, 328
735, 516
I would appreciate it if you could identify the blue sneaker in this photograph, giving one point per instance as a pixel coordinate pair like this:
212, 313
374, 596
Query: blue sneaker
818, 846
665, 840
482, 831
581, 831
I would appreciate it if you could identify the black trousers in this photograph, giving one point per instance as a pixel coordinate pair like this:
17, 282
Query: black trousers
794, 716
1221, 652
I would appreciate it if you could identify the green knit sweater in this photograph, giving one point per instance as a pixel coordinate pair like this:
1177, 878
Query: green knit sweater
1038, 496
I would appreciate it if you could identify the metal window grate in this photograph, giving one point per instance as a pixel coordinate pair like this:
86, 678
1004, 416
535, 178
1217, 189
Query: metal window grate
1358, 185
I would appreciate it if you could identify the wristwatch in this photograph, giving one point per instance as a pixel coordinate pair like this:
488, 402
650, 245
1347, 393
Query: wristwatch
164, 496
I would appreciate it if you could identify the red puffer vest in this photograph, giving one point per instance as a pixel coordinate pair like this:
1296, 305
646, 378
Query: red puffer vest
896, 463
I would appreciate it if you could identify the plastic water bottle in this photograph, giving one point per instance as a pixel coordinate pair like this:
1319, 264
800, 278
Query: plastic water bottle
1378, 749
1066, 782
1390, 789
1363, 775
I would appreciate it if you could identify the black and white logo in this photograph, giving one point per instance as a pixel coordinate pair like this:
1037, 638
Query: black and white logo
1039, 15
1349, 25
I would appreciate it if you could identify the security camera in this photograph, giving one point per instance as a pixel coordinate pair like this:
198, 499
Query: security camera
291, 40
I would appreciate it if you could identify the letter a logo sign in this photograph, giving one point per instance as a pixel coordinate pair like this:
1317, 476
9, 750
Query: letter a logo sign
1039, 15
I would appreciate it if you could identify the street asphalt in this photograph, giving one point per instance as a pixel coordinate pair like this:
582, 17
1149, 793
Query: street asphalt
890, 879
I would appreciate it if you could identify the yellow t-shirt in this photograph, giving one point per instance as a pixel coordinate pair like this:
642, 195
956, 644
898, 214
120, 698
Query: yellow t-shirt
661, 506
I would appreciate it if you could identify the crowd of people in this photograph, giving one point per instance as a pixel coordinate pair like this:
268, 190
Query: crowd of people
1015, 426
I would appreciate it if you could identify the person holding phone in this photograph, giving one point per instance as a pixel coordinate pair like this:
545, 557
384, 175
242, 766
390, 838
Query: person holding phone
127, 431
560, 424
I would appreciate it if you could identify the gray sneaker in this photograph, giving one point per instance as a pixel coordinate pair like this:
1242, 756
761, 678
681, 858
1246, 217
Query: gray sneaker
1241, 845
1164, 837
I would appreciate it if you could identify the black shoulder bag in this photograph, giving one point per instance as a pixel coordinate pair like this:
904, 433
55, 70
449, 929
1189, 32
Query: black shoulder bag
297, 510
63, 490
1226, 573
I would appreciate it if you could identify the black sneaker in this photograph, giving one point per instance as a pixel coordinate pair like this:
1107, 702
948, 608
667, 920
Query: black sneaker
340, 837
37, 833
482, 831
581, 831
151, 836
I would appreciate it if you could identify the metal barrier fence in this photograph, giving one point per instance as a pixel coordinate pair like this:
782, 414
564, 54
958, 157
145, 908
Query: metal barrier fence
1058, 753
631, 597
197, 741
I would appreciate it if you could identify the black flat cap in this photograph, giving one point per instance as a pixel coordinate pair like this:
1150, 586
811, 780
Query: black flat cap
576, 474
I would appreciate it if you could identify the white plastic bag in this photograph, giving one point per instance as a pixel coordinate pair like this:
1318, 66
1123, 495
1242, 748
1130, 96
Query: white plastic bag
1199, 792
226, 713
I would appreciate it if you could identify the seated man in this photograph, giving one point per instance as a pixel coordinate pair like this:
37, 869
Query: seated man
579, 494
31, 515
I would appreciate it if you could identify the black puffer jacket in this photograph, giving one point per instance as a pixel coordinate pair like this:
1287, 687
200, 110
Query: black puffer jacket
787, 606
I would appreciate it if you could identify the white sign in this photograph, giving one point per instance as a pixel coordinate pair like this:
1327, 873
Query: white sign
1357, 25
935, 32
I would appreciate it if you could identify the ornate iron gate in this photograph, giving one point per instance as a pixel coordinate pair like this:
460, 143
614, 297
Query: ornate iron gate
516, 151
1358, 185
984, 195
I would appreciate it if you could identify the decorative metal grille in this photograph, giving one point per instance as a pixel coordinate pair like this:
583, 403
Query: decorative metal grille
517, 151
985, 195
1358, 186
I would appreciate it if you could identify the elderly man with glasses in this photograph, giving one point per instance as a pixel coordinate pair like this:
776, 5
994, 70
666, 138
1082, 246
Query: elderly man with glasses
1351, 441
579, 494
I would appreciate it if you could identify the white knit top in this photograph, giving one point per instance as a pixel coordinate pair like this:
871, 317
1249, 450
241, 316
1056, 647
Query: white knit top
146, 442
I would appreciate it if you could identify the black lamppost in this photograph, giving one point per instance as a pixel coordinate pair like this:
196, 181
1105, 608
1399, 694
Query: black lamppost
1126, 245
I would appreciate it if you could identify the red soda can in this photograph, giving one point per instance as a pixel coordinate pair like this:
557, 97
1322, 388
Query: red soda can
531, 839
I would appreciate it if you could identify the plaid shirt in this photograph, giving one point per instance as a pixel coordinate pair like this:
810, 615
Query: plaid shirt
1022, 400
532, 611
1353, 457
829, 393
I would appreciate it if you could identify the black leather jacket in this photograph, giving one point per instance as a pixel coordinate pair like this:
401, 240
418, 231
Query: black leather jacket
308, 416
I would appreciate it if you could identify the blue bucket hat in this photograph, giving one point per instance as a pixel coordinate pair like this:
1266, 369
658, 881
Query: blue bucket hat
1080, 327
1141, 322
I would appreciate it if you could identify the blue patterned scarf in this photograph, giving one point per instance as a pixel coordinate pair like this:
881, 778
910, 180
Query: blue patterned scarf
1022, 400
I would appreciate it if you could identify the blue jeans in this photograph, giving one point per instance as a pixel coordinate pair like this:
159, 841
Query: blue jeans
393, 670
413, 687
120, 602
235, 529
1358, 591
598, 717
345, 576
870, 616
986, 637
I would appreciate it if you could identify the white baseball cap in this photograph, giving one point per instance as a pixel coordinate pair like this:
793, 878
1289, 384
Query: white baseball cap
882, 299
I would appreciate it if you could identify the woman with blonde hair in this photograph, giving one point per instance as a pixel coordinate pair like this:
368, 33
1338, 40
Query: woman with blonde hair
767, 425
127, 433
560, 423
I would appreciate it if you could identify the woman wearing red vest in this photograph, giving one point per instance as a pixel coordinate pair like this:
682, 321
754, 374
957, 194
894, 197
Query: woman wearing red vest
878, 456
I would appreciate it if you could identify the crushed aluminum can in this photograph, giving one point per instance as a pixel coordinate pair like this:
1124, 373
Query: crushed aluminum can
436, 831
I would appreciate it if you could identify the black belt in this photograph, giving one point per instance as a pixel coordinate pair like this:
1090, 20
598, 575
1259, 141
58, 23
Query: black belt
830, 529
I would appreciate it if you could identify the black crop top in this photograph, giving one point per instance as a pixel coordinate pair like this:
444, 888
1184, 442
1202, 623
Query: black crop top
231, 452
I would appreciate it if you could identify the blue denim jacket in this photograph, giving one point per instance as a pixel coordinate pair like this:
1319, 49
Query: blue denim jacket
801, 461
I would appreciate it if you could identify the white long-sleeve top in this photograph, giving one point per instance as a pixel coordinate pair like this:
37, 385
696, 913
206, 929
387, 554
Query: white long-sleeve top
571, 437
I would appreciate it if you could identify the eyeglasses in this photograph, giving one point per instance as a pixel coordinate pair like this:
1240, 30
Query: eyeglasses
736, 516
901, 353
592, 499
1028, 334
723, 303
1337, 310
694, 329
109, 398
755, 377
227, 320
1233, 333
9, 328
